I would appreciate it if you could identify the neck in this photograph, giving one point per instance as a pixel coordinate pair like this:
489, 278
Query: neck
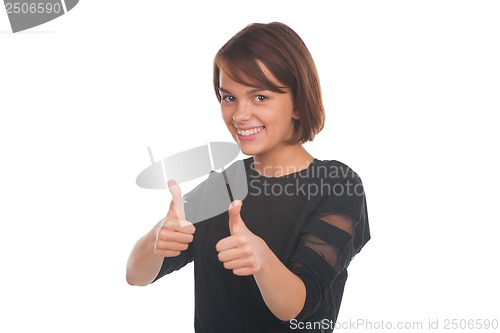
292, 159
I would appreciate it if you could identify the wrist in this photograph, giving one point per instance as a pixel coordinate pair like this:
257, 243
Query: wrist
267, 257
152, 236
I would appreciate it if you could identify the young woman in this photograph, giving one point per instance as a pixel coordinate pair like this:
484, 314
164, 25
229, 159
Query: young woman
277, 260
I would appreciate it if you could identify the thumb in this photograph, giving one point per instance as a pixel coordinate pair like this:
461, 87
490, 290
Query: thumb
176, 211
236, 224
172, 213
177, 200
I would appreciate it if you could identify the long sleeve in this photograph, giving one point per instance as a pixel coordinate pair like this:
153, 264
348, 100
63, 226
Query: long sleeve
336, 232
171, 264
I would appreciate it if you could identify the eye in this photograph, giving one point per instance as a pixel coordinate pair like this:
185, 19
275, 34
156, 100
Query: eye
260, 98
228, 98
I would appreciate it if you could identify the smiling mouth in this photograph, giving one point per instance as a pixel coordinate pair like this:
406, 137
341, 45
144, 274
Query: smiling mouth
249, 132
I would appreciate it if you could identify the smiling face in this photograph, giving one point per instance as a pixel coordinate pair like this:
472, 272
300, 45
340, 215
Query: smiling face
260, 121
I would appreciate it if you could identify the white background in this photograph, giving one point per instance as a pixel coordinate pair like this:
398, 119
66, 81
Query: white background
411, 90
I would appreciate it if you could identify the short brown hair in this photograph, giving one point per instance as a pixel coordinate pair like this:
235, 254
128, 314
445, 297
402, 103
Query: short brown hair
286, 56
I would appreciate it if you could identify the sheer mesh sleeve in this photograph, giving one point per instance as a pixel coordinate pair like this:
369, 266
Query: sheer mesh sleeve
329, 240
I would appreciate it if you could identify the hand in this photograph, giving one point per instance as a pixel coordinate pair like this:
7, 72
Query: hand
243, 251
174, 233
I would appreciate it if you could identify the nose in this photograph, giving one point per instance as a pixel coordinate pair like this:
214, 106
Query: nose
242, 113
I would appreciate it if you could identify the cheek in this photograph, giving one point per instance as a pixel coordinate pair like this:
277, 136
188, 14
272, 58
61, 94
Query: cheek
226, 115
280, 119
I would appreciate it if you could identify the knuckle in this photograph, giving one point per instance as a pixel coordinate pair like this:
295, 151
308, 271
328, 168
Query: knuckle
171, 225
218, 247
253, 263
172, 253
159, 245
247, 250
161, 233
164, 234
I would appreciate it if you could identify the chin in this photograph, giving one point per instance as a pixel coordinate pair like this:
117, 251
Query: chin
246, 150
253, 150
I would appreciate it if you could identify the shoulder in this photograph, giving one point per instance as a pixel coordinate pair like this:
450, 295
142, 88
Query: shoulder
339, 187
334, 171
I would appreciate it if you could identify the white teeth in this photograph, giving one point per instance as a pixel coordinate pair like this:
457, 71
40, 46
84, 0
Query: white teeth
250, 131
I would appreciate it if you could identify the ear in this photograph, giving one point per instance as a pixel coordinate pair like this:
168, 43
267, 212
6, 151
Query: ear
295, 115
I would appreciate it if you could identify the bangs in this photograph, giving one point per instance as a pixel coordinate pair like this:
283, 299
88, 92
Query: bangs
242, 67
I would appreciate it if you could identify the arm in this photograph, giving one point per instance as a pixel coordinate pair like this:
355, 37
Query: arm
283, 292
287, 292
245, 254
336, 232
169, 238
143, 264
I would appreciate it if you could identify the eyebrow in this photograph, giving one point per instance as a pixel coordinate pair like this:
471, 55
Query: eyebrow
249, 92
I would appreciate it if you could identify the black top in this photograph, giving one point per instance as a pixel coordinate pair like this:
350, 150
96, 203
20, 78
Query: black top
314, 220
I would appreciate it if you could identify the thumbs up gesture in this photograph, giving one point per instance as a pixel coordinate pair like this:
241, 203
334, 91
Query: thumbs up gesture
174, 233
243, 251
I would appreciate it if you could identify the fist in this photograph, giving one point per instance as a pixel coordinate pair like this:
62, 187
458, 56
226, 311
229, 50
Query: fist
243, 251
174, 233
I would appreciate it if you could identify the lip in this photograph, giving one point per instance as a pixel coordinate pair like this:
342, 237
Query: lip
250, 137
